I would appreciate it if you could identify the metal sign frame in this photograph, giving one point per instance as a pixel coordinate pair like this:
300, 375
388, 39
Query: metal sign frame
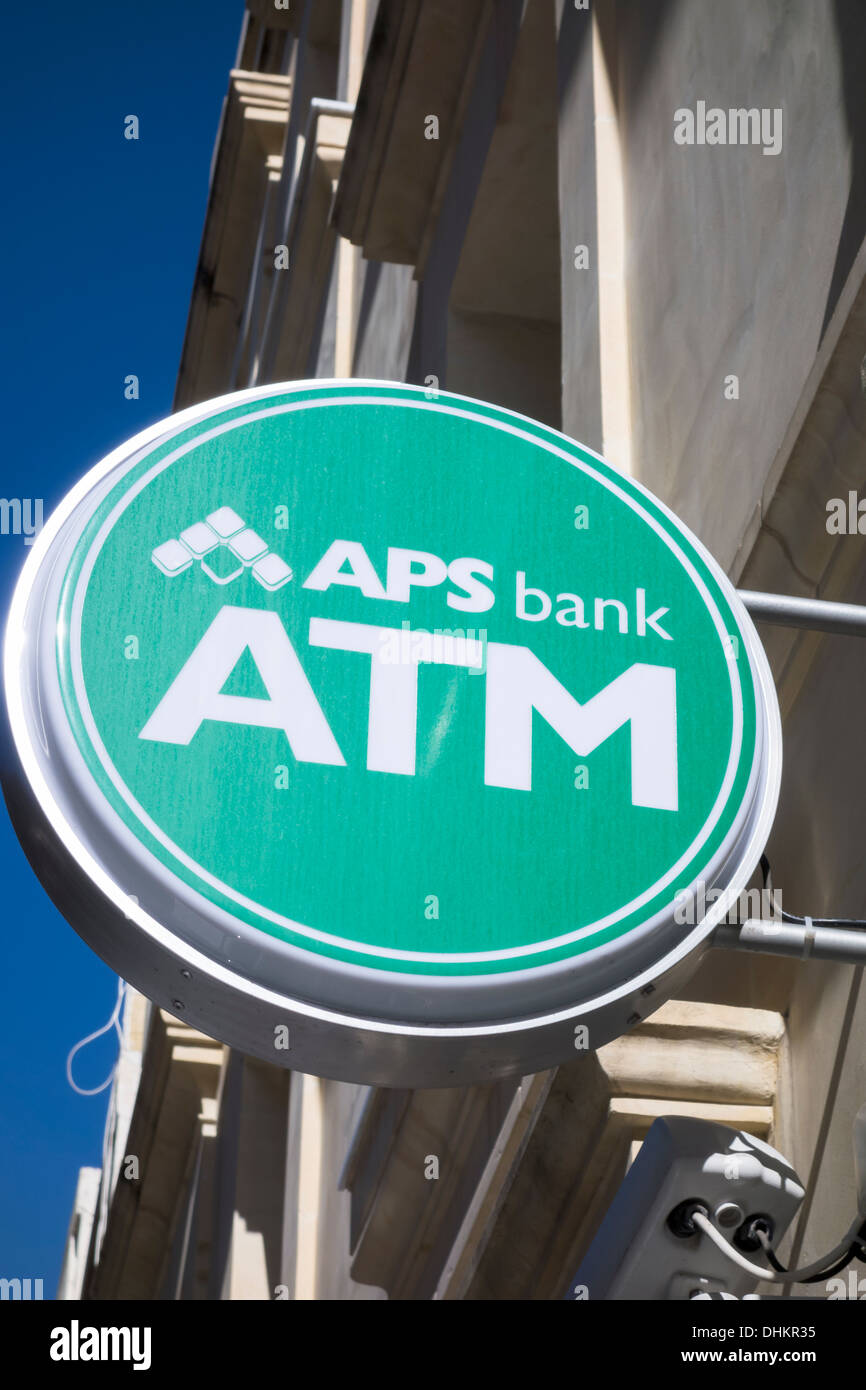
100, 885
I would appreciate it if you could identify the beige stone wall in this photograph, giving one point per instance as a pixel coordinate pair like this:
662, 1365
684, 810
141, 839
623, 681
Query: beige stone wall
731, 253
701, 263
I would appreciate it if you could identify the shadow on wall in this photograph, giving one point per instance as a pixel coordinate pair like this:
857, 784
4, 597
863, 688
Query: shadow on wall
850, 16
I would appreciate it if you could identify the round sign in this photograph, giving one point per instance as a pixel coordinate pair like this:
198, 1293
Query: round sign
384, 733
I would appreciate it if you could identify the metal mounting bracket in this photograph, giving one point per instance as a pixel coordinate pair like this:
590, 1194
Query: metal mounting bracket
769, 937
814, 614
806, 941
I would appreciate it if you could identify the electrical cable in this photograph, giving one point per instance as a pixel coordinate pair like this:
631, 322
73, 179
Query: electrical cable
113, 1022
847, 1247
855, 1252
770, 1252
854, 1245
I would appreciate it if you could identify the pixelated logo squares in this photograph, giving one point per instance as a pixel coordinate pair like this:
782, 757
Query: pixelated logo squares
224, 546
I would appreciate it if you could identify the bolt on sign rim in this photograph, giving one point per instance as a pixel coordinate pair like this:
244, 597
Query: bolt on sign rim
388, 723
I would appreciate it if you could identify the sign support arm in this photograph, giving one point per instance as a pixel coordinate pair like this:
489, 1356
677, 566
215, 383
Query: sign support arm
845, 945
815, 614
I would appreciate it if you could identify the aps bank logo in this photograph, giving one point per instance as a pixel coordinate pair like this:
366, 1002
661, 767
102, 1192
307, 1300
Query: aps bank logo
518, 685
224, 546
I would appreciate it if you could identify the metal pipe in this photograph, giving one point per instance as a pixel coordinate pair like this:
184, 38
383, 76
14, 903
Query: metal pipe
846, 945
785, 610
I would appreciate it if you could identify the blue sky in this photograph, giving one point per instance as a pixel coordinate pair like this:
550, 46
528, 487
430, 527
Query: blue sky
99, 244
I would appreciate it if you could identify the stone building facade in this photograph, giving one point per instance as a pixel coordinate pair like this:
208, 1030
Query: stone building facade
506, 199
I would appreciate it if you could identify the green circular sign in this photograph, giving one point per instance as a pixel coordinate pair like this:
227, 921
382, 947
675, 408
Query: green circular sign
401, 708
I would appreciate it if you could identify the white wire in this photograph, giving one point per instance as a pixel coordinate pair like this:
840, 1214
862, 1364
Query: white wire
774, 1276
113, 1022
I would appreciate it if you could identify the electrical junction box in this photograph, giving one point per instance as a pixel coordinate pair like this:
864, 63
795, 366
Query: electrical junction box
635, 1254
